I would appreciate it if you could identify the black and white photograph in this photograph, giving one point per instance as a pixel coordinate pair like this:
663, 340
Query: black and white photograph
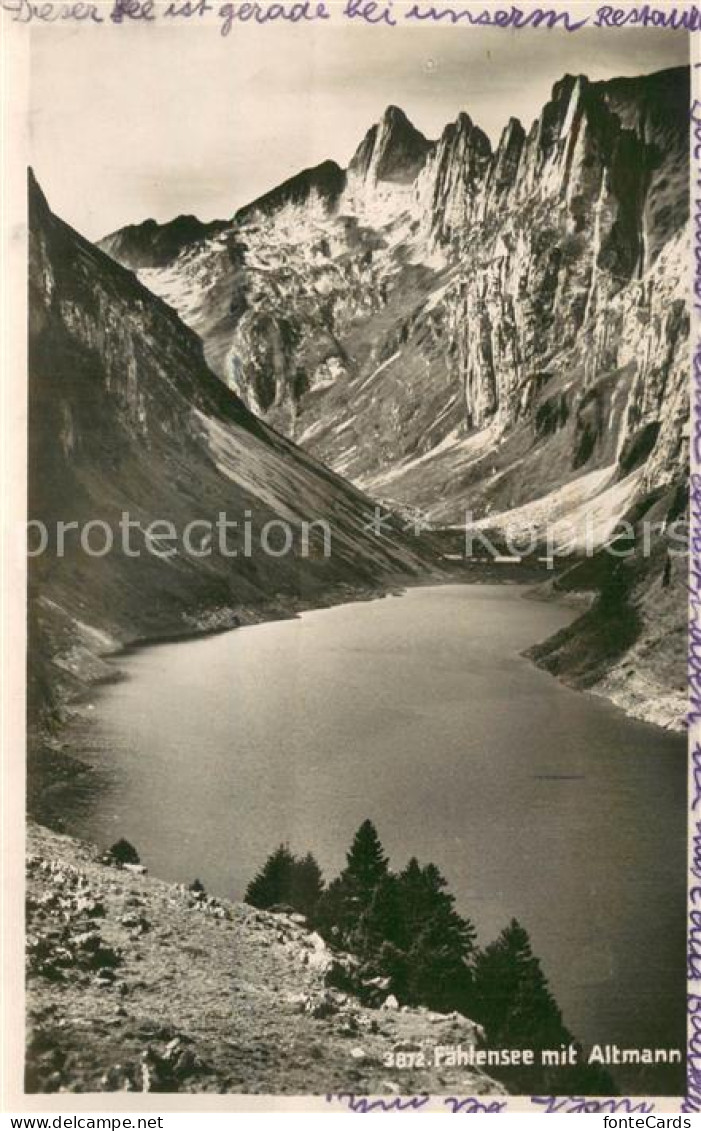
357, 542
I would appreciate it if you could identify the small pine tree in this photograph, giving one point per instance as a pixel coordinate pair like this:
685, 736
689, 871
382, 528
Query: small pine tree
349, 897
515, 1005
441, 944
285, 880
513, 1001
273, 883
123, 852
366, 863
513, 996
307, 886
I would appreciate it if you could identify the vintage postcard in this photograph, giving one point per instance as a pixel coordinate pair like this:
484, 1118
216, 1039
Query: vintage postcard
348, 460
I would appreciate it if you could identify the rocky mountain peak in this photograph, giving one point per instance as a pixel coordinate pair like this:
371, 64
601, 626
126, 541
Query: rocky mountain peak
392, 150
563, 88
463, 123
394, 115
559, 116
504, 169
449, 187
512, 129
463, 133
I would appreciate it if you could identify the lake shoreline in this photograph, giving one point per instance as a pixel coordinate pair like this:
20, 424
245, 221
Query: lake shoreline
52, 761
61, 764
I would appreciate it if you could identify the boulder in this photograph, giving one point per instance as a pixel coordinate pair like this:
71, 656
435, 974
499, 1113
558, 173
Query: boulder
379, 983
138, 924
105, 978
87, 941
348, 1026
319, 960
299, 1002
323, 1005
93, 908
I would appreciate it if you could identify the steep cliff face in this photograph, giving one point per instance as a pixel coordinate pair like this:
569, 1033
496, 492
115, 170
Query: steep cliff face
568, 219
127, 421
450, 187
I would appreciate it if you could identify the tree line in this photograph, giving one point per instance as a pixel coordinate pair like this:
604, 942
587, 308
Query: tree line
404, 930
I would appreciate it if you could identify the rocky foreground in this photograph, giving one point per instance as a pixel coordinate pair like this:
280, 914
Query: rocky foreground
139, 985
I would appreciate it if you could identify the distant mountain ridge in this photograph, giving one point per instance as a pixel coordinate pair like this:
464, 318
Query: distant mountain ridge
327, 181
151, 244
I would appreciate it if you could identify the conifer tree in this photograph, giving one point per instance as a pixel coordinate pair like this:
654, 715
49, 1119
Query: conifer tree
366, 863
349, 897
273, 884
513, 995
284, 879
307, 885
383, 920
123, 852
330, 915
514, 1003
440, 942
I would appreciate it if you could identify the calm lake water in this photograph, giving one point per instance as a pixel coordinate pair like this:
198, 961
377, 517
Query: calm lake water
535, 801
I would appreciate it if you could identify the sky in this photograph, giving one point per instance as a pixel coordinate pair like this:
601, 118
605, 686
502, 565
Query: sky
128, 123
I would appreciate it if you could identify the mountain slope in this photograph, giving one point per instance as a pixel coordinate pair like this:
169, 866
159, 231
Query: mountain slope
127, 424
139, 985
